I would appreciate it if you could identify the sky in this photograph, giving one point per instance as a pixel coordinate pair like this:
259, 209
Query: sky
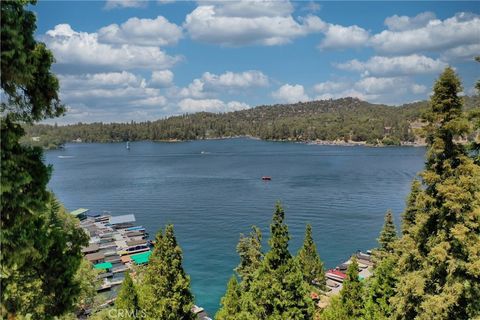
119, 61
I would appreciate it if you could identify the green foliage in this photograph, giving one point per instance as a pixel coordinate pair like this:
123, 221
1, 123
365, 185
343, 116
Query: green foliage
231, 304
388, 235
309, 260
249, 248
276, 288
278, 242
409, 215
334, 311
30, 87
165, 292
126, 303
351, 294
381, 287
86, 276
44, 285
438, 257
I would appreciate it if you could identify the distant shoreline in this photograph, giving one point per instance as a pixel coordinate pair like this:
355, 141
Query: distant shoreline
340, 143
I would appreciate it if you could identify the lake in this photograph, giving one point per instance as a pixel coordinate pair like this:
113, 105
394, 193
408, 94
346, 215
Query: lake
212, 191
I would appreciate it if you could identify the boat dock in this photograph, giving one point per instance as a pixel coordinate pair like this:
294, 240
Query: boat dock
116, 245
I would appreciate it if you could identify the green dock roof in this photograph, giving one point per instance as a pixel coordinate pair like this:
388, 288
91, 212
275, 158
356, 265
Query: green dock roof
78, 212
141, 258
104, 265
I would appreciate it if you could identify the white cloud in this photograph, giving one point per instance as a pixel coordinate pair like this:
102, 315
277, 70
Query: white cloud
246, 79
194, 90
418, 88
229, 82
432, 35
290, 94
84, 49
100, 80
251, 8
466, 52
210, 105
401, 65
389, 90
373, 85
340, 37
112, 4
145, 32
402, 23
330, 86
109, 90
237, 23
162, 78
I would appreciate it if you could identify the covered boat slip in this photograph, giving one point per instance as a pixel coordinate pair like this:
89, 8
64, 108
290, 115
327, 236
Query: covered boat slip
110, 236
115, 247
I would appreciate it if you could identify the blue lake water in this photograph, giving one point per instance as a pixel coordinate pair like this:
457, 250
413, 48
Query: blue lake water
212, 191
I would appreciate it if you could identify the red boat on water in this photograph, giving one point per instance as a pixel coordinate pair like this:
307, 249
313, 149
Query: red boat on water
266, 178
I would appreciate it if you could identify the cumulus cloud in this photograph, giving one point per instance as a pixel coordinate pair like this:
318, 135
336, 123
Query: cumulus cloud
84, 49
466, 52
401, 65
246, 79
330, 86
402, 23
112, 4
429, 35
210, 105
114, 89
162, 78
209, 83
290, 94
389, 90
247, 22
145, 32
340, 37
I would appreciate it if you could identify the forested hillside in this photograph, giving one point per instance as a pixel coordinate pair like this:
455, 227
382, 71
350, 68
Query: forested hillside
344, 119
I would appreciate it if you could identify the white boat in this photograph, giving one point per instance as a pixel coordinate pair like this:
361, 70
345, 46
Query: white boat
128, 145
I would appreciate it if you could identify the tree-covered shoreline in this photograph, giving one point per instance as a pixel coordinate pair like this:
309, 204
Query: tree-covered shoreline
340, 122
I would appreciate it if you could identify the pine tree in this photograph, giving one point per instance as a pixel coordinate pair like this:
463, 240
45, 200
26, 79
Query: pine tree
278, 290
388, 235
408, 217
165, 290
249, 249
41, 245
231, 302
278, 242
126, 304
439, 256
351, 294
381, 287
309, 261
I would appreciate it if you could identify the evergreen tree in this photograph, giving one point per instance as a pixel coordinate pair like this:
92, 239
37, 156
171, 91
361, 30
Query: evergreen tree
231, 302
408, 217
381, 287
278, 290
438, 257
41, 244
249, 249
309, 261
278, 242
127, 304
388, 234
351, 294
166, 288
